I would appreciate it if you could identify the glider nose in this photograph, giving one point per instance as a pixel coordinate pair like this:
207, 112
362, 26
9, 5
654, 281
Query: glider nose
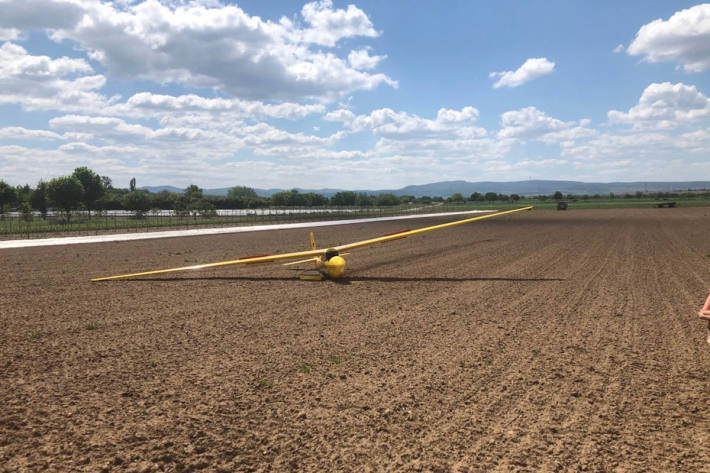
335, 267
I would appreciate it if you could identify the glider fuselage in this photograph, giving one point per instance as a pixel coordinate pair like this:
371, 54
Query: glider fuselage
334, 267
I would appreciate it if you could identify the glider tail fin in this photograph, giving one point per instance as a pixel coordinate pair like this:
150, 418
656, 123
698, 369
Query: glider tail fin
313, 247
313, 241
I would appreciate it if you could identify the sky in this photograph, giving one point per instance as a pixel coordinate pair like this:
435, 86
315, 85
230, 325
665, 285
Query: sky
365, 95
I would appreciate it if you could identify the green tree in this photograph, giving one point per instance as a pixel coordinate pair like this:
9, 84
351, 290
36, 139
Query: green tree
457, 197
296, 199
188, 201
107, 183
491, 196
193, 193
93, 186
39, 199
66, 193
557, 195
164, 200
476, 197
26, 211
138, 201
364, 200
203, 207
344, 198
23, 193
315, 200
514, 197
387, 199
181, 204
8, 196
241, 192
132, 184
113, 199
280, 199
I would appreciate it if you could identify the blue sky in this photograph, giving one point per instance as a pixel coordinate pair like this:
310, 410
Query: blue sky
364, 95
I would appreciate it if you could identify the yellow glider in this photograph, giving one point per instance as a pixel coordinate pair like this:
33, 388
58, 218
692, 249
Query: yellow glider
328, 261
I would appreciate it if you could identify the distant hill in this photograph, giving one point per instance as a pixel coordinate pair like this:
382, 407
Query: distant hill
259, 192
537, 187
523, 188
157, 189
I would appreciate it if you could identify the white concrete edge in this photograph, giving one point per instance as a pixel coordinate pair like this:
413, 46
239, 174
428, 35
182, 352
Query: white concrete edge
6, 244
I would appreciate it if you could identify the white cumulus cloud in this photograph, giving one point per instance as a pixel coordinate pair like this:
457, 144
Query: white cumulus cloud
531, 69
43, 83
340, 115
683, 38
21, 133
529, 122
328, 26
402, 125
146, 104
213, 45
361, 59
9, 34
40, 14
665, 105
451, 135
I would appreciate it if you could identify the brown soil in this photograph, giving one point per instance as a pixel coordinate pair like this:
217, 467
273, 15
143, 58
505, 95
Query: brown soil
544, 341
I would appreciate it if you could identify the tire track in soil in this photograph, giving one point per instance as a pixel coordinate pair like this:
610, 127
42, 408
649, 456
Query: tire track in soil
588, 439
508, 428
582, 373
623, 306
670, 378
433, 344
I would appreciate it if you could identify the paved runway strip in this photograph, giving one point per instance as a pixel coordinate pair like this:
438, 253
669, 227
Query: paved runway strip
210, 231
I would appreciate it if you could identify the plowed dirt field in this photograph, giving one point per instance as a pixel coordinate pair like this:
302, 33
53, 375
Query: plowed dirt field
543, 341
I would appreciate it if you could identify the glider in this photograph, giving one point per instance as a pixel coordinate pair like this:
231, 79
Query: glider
328, 262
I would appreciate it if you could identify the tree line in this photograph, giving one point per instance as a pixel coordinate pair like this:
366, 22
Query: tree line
557, 195
84, 189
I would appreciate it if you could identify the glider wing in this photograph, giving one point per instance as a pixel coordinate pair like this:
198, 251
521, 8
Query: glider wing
246, 260
398, 235
311, 253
